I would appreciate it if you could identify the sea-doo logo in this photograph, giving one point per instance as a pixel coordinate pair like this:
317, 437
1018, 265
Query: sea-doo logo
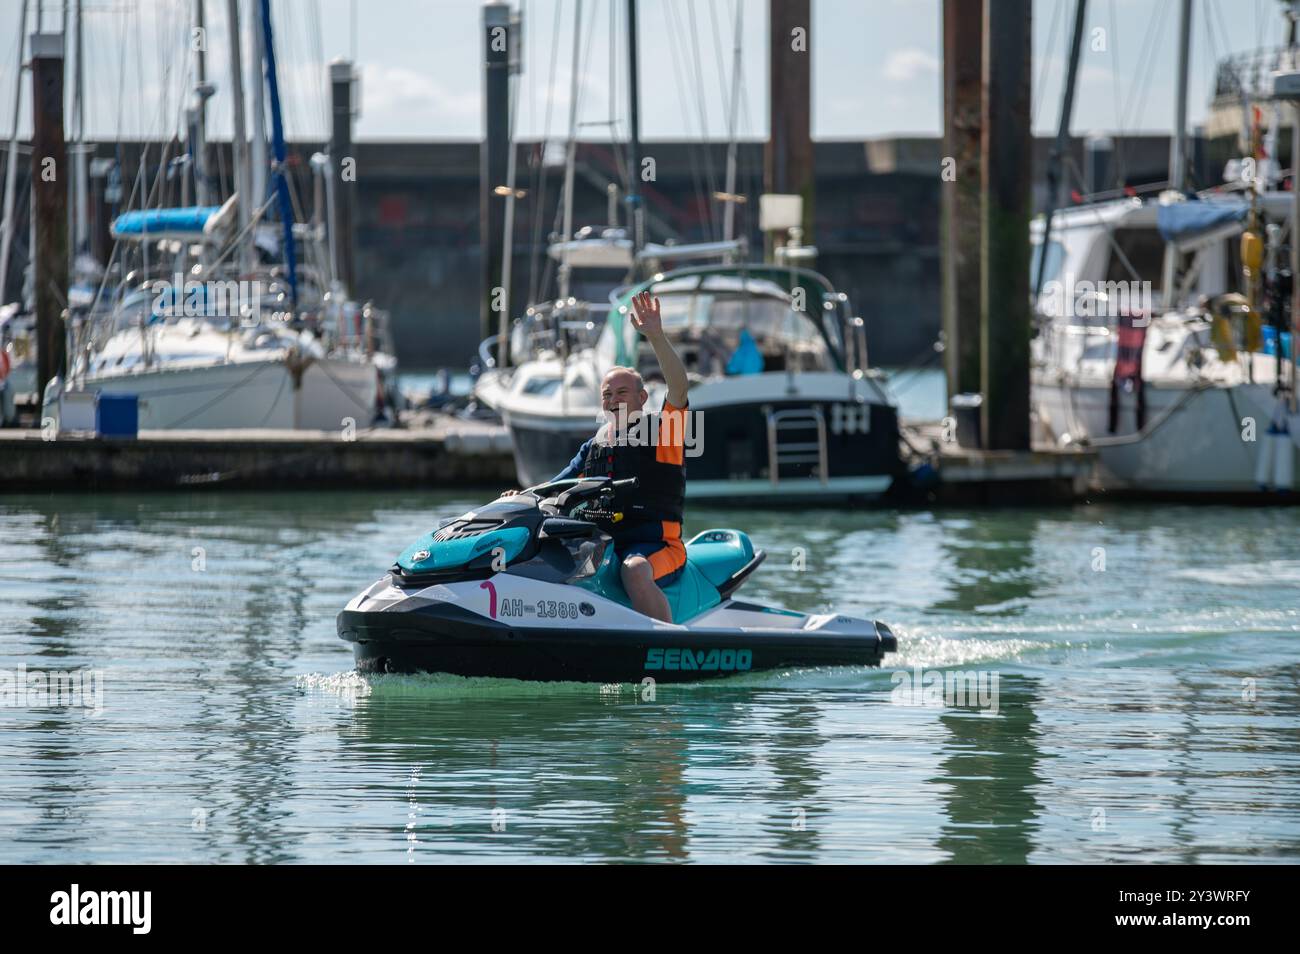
586, 609
420, 555
702, 660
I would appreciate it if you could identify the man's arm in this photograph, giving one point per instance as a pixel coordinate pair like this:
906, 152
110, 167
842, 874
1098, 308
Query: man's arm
575, 465
646, 318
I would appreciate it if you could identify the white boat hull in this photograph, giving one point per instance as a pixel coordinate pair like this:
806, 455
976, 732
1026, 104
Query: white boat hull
258, 393
1197, 440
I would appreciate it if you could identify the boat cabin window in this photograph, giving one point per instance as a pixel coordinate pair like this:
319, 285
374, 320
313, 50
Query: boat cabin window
541, 386
1145, 251
708, 330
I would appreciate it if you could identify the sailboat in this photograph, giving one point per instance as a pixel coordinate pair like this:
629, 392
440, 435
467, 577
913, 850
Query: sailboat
1163, 336
209, 328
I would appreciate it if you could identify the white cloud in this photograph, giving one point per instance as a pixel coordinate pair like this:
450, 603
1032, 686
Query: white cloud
395, 96
910, 64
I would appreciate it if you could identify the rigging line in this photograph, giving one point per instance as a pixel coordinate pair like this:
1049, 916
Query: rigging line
752, 172
585, 60
1212, 6
1115, 175
539, 196
616, 144
724, 93
284, 379
322, 106
261, 366
1140, 91
725, 98
121, 72
1073, 169
619, 100
702, 204
1040, 88
343, 388
612, 91
117, 245
1145, 54
155, 191
714, 228
1223, 30
179, 122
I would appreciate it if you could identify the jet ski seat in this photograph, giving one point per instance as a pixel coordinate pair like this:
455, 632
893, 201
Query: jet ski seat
717, 561
725, 557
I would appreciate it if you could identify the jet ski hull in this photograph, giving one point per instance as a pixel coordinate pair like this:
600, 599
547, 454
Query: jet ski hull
450, 639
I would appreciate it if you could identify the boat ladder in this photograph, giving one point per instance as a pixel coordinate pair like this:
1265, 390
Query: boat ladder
788, 441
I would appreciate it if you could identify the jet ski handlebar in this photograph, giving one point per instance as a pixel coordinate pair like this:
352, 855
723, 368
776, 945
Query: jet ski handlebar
565, 495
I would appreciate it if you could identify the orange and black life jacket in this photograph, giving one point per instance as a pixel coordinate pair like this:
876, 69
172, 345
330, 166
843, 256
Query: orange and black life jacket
661, 487
657, 465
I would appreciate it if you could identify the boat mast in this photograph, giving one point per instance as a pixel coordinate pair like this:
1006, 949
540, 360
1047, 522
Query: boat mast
514, 34
11, 170
1178, 150
199, 124
239, 142
81, 223
571, 156
637, 218
729, 211
257, 148
281, 167
1058, 149
1178, 156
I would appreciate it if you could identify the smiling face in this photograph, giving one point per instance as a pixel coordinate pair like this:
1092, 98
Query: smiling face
622, 389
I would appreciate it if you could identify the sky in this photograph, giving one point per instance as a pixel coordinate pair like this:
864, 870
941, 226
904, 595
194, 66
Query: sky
876, 65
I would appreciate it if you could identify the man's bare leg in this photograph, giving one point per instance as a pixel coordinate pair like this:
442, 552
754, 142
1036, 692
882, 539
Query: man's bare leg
647, 598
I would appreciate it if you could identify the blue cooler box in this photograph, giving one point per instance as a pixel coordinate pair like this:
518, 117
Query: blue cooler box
117, 415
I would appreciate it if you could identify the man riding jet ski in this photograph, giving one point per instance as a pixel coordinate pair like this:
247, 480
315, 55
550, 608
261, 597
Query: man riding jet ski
530, 587
585, 578
648, 535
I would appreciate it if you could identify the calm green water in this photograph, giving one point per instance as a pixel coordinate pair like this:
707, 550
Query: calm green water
233, 730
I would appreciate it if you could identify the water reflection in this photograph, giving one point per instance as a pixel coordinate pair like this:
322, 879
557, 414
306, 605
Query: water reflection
989, 773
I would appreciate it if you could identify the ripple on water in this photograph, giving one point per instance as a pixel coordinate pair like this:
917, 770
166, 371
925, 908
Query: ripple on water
1162, 691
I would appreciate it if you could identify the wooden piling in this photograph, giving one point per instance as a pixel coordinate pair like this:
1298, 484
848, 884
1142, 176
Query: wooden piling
963, 59
788, 154
493, 154
1005, 204
343, 224
50, 176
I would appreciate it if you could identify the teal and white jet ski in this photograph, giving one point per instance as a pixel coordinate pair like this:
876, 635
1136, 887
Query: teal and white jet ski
528, 587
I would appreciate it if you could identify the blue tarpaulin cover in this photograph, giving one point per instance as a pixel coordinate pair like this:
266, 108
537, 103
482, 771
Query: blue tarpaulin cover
1189, 219
182, 222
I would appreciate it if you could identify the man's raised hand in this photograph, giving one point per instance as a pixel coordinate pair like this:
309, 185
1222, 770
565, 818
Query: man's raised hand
645, 314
